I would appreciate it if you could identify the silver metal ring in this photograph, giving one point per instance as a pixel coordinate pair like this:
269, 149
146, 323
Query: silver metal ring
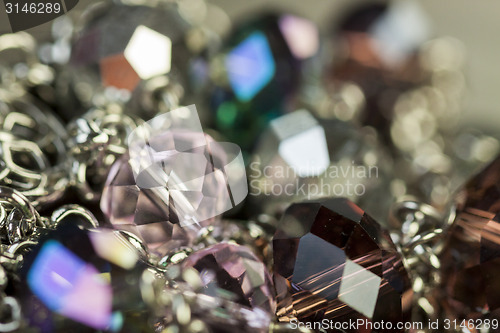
20, 202
15, 311
61, 213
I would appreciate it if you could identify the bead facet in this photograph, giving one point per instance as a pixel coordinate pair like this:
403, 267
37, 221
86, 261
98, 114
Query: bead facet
470, 260
332, 261
236, 269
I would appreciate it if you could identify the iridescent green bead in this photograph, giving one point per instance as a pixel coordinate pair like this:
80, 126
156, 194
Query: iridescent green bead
257, 74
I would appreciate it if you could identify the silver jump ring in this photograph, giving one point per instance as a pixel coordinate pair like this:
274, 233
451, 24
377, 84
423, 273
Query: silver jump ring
20, 202
23, 167
89, 220
15, 311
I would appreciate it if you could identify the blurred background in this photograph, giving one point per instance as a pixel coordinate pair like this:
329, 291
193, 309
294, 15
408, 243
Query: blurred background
476, 25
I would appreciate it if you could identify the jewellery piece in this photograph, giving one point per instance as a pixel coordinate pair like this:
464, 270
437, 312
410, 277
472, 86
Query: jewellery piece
79, 216
236, 269
420, 238
186, 308
255, 235
118, 56
377, 52
70, 280
172, 263
333, 261
470, 258
18, 217
32, 148
174, 181
388, 74
97, 140
18, 51
156, 96
22, 225
27, 118
152, 65
23, 73
301, 158
258, 72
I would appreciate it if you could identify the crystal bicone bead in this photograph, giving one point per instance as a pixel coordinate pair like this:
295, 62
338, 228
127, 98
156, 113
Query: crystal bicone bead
332, 261
122, 55
260, 68
470, 261
236, 269
76, 280
174, 179
300, 157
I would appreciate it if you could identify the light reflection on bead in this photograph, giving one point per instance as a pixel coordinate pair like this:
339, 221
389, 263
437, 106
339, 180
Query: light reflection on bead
70, 287
76, 278
236, 269
250, 66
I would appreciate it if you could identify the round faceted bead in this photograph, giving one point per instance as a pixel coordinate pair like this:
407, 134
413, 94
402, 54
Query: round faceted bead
170, 215
258, 73
470, 261
387, 75
174, 179
377, 35
333, 261
119, 55
150, 214
77, 280
377, 45
236, 269
300, 157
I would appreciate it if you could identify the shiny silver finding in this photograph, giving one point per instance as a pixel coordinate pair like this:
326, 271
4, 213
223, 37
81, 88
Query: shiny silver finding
420, 238
18, 217
84, 217
33, 154
96, 141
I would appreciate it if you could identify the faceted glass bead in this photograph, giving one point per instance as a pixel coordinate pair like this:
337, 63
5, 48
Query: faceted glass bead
377, 44
236, 269
387, 34
470, 259
300, 157
333, 261
147, 213
79, 280
259, 73
218, 314
174, 179
156, 214
121, 55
